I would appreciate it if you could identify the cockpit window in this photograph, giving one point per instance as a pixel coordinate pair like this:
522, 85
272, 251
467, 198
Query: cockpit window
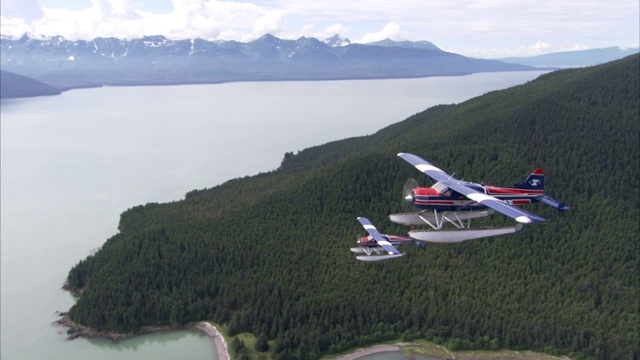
440, 187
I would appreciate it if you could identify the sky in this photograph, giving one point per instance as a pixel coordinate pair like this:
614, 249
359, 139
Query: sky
476, 28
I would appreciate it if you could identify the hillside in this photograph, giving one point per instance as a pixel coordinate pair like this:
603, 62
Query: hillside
269, 254
18, 86
156, 60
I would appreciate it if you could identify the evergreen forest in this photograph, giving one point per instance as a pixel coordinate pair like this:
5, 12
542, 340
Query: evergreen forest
269, 254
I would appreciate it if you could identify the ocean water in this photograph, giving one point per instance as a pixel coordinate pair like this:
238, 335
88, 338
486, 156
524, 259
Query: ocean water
70, 164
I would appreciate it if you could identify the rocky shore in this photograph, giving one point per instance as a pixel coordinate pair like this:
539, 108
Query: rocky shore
75, 330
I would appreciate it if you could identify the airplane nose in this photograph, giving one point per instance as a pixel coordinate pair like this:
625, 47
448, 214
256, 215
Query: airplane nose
409, 198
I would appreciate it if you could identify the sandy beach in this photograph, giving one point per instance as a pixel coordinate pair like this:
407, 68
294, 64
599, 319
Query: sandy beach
368, 351
218, 339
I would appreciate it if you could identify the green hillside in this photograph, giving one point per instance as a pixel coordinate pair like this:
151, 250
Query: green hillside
270, 255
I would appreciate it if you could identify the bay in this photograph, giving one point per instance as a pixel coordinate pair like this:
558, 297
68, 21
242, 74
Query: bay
70, 164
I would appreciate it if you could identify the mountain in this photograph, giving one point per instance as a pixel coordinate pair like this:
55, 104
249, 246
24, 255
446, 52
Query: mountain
18, 86
153, 60
426, 45
269, 254
336, 40
574, 58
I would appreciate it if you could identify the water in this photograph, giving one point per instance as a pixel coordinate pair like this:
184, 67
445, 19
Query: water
70, 164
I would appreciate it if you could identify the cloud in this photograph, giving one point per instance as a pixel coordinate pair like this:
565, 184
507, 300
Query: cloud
271, 22
104, 18
539, 47
208, 19
390, 31
325, 33
17, 17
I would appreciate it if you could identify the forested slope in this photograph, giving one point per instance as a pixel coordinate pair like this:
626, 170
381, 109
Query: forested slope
269, 254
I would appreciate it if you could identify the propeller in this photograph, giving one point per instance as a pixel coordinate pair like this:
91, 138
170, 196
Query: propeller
407, 198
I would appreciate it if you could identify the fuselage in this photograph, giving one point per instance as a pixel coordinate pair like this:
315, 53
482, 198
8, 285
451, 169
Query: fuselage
435, 199
368, 241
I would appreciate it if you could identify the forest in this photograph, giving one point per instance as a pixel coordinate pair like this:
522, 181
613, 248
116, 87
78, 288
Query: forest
269, 254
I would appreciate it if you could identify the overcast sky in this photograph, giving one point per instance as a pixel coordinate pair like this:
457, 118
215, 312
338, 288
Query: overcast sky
477, 28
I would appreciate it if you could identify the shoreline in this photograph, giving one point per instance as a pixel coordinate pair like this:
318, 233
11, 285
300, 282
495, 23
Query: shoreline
75, 331
218, 340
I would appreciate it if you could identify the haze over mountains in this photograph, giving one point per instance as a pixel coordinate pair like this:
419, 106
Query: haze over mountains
574, 58
156, 60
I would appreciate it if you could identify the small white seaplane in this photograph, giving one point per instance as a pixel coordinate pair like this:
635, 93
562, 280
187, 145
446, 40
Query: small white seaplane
456, 202
379, 246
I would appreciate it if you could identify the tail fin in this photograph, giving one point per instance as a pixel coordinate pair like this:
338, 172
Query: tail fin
535, 181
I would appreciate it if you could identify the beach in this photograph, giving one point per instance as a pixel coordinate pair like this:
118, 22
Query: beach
223, 351
218, 339
369, 351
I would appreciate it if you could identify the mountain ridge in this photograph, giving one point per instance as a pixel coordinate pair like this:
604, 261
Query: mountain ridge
156, 60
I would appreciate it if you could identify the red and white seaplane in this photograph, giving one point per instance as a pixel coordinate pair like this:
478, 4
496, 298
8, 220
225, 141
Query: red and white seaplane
457, 202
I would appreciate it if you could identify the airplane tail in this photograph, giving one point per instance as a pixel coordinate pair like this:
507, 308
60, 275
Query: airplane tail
535, 181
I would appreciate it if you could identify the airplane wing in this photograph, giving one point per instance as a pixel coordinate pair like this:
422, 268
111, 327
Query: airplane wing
498, 205
426, 167
384, 243
489, 201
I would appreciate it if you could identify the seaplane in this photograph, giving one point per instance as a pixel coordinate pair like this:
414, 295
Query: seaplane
457, 202
377, 246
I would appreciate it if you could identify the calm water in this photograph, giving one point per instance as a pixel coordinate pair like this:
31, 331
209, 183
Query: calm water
70, 164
